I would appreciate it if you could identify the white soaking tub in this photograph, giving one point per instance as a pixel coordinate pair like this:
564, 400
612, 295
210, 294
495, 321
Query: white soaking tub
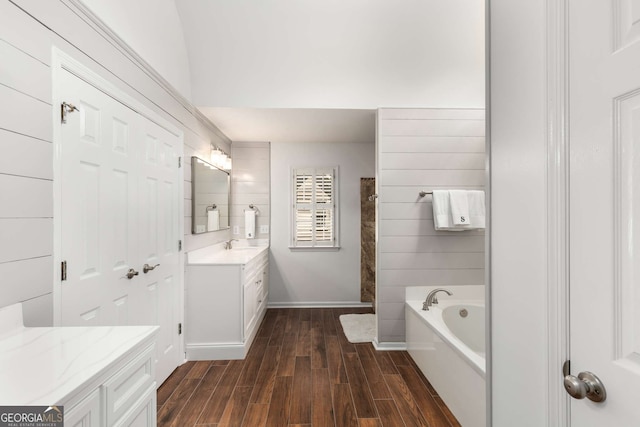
448, 344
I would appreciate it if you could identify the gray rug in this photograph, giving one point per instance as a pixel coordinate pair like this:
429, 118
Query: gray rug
359, 327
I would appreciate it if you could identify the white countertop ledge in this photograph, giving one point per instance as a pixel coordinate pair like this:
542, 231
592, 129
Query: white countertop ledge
46, 366
213, 255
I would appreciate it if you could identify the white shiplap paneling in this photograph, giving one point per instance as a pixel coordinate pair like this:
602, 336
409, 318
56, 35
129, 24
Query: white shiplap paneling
29, 277
24, 238
36, 83
454, 127
24, 197
28, 31
25, 156
422, 150
434, 161
24, 114
250, 183
432, 144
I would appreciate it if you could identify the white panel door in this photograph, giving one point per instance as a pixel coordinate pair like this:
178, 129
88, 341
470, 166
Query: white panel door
158, 184
99, 209
605, 207
119, 211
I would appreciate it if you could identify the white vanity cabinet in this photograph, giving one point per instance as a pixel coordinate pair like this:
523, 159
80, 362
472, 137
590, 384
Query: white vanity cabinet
226, 299
127, 397
102, 376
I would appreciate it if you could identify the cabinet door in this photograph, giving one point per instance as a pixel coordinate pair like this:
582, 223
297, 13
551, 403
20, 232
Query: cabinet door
87, 413
142, 413
250, 305
265, 282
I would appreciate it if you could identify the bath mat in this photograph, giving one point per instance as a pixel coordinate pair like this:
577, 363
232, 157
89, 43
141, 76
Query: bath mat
359, 327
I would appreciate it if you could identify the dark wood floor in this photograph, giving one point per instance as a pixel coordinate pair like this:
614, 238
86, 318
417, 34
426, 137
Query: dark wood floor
302, 371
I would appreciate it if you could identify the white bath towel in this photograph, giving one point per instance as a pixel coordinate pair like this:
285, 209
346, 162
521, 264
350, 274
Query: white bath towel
476, 208
250, 224
459, 207
441, 210
213, 220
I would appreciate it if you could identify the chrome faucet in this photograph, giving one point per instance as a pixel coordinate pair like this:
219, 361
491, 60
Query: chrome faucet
227, 245
433, 299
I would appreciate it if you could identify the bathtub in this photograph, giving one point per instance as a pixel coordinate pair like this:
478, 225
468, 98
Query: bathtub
447, 342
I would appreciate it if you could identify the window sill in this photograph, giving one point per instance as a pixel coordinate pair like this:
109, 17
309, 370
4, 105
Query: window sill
314, 248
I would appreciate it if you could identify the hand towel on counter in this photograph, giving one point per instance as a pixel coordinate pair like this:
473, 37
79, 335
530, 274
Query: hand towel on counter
213, 220
250, 224
459, 207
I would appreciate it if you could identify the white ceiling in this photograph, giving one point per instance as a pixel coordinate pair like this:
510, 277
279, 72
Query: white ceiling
308, 70
294, 124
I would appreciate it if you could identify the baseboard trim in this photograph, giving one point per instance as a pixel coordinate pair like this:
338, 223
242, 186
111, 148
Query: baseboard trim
321, 304
389, 346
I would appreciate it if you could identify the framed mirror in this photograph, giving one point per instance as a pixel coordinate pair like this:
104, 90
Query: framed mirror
210, 195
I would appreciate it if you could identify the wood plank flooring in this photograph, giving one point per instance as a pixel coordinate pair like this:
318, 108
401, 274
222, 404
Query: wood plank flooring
302, 371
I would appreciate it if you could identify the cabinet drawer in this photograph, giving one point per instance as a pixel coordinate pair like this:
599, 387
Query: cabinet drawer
129, 384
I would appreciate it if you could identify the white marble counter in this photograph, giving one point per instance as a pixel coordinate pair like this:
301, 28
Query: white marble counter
212, 255
45, 366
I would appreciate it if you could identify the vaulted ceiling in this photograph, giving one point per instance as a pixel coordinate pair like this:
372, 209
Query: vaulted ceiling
308, 70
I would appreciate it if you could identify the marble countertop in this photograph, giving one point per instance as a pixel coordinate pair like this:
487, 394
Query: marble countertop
45, 366
216, 256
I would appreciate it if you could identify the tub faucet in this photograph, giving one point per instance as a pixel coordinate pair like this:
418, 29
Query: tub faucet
433, 299
227, 245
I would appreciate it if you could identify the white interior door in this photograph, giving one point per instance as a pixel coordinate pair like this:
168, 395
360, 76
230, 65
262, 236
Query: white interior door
158, 185
99, 209
119, 210
604, 206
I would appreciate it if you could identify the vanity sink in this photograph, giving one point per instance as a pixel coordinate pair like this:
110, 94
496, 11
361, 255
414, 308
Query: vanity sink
216, 256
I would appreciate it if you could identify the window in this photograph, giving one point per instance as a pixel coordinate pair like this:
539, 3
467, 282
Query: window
315, 208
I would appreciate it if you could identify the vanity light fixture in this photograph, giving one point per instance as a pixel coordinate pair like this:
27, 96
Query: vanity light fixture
219, 158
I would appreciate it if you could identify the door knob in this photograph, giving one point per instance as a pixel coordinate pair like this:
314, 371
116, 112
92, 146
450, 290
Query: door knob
131, 273
147, 268
586, 384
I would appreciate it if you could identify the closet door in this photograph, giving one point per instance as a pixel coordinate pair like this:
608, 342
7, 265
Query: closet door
158, 185
119, 211
99, 208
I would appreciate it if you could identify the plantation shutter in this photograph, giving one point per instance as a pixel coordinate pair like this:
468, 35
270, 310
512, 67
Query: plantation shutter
314, 207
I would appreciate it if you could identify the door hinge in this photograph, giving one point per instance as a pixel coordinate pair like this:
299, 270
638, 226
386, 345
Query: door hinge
179, 162
179, 245
566, 368
63, 270
66, 108
179, 328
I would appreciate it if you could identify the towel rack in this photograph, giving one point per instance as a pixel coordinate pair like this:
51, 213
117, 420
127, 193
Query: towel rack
211, 208
424, 193
253, 208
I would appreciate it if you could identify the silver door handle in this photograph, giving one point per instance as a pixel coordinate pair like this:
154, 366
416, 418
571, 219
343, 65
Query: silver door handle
587, 384
131, 273
147, 268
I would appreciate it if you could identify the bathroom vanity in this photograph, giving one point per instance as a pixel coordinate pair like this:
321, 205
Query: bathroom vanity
226, 299
101, 375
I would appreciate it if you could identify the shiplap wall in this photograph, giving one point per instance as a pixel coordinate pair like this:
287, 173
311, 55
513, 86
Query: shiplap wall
28, 31
250, 182
424, 149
